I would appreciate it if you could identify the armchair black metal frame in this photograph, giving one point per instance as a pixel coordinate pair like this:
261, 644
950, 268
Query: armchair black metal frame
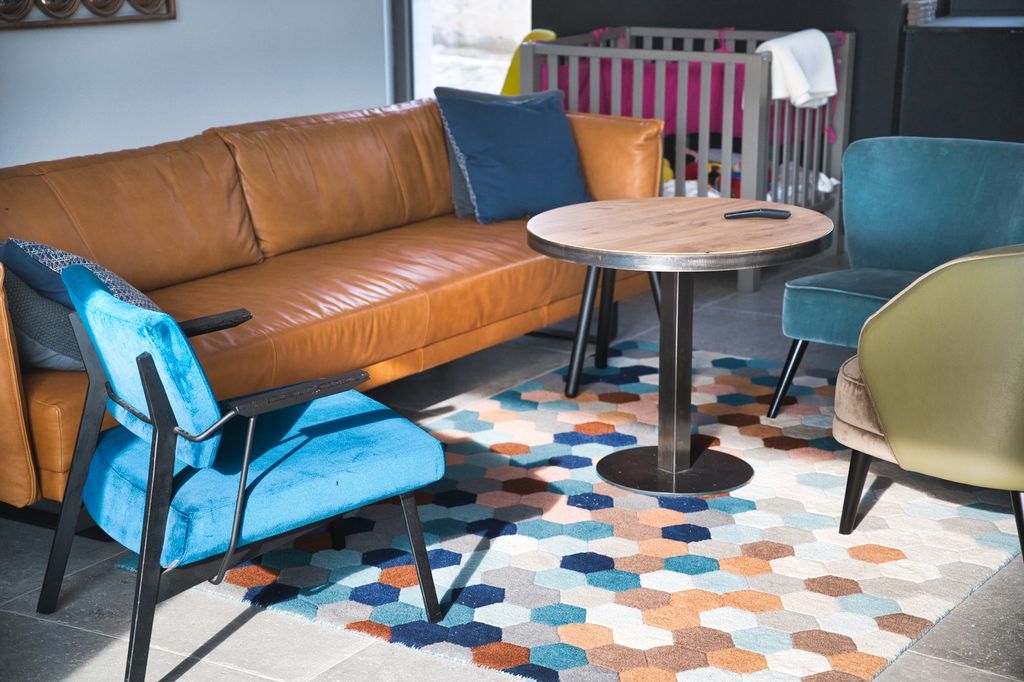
604, 322
148, 588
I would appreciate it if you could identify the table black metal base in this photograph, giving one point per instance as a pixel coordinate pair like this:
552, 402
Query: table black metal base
636, 470
680, 464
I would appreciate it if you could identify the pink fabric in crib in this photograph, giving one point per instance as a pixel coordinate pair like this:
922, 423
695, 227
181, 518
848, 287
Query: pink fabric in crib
671, 90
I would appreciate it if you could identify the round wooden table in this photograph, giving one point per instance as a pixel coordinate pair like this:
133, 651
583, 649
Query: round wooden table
676, 237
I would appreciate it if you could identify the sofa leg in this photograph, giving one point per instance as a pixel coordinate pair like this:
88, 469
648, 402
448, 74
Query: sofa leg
656, 291
579, 344
796, 354
419, 555
604, 318
1017, 501
859, 465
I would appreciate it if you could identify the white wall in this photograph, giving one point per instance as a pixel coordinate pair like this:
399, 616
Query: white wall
86, 89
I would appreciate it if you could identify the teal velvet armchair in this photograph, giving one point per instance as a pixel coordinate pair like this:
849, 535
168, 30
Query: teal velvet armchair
198, 485
909, 205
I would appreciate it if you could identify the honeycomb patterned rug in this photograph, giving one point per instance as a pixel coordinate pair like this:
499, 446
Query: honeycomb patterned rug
550, 574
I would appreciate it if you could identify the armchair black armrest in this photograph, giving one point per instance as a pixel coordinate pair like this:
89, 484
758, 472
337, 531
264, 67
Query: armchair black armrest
215, 323
303, 392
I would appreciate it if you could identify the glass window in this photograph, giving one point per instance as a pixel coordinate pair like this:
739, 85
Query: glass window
465, 43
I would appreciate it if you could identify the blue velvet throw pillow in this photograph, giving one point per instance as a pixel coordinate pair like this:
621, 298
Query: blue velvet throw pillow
464, 207
517, 155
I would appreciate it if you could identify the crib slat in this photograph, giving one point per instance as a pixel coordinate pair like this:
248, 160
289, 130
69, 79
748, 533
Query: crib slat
728, 86
807, 156
648, 42
797, 113
552, 72
687, 44
679, 159
704, 129
776, 142
786, 144
659, 89
595, 84
574, 83
826, 145
816, 155
792, 191
638, 87
616, 87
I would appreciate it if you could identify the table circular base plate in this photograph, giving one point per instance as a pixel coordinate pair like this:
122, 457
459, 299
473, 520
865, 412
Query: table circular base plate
636, 470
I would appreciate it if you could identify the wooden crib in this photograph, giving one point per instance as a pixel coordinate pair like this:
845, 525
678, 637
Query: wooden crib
714, 94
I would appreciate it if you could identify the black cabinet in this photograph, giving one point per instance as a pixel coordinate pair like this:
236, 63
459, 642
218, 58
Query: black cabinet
963, 77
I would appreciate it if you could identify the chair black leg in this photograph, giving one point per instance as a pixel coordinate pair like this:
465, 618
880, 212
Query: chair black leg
63, 536
159, 490
1017, 501
419, 556
656, 291
796, 353
147, 592
338, 535
71, 507
604, 318
579, 344
859, 465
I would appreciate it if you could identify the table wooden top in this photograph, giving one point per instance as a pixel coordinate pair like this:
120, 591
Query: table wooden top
677, 234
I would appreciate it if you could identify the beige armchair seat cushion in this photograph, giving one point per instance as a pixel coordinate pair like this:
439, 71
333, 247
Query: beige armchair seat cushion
856, 423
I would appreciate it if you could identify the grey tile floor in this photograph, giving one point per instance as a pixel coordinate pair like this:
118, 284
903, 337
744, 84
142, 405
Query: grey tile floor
201, 637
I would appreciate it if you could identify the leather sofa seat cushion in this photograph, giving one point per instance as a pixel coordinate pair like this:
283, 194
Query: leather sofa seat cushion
319, 179
179, 205
856, 420
310, 462
831, 307
350, 304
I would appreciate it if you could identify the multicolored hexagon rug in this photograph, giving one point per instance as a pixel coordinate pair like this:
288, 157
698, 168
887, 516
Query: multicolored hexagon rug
550, 574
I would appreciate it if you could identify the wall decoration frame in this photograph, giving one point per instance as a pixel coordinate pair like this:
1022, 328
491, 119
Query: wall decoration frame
15, 14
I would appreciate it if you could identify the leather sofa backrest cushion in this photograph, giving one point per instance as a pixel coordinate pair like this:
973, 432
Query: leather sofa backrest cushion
319, 179
156, 215
620, 156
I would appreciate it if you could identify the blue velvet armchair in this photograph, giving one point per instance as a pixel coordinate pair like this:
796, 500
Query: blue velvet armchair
909, 205
198, 485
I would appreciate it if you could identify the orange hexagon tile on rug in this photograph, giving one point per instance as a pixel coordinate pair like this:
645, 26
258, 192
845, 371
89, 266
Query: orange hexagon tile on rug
864, 666
737, 660
399, 576
585, 635
252, 575
876, 554
501, 655
752, 600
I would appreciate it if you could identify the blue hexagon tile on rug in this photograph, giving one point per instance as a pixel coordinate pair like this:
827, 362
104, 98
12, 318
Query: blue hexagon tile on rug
548, 573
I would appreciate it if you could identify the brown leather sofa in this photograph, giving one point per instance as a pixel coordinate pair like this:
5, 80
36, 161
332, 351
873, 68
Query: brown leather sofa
336, 231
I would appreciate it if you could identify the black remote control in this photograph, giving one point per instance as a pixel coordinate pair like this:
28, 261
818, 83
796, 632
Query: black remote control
773, 213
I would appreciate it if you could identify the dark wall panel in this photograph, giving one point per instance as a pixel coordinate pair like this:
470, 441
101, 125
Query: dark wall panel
963, 83
876, 22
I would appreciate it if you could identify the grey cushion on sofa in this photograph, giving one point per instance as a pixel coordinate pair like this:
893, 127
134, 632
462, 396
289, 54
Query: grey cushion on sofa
41, 328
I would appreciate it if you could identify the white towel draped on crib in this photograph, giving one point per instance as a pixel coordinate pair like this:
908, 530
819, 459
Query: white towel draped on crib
802, 68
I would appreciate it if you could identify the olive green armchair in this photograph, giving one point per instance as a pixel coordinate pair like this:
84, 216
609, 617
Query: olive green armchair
938, 381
